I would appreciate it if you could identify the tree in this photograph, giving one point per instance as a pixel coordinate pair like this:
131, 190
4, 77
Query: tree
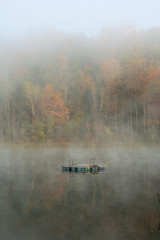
54, 112
63, 76
32, 93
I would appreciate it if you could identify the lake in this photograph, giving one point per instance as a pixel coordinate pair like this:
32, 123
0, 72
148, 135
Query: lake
40, 202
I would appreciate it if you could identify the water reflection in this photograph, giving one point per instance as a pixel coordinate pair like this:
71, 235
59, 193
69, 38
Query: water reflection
159, 226
83, 172
39, 201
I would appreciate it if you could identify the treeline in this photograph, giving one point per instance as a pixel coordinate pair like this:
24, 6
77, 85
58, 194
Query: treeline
63, 87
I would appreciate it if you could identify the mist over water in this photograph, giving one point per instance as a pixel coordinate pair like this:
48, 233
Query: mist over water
39, 201
79, 80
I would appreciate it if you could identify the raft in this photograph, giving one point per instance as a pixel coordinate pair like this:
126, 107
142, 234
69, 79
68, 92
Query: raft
83, 168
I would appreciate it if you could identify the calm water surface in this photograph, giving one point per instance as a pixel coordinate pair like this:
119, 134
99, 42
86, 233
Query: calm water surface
40, 202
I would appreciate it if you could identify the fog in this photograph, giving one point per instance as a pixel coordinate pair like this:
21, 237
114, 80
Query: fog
58, 87
79, 80
40, 201
20, 17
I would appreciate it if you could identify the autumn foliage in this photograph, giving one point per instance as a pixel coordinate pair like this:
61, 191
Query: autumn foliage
52, 104
97, 90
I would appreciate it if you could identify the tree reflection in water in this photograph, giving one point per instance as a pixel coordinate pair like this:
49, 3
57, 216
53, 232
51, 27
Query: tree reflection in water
38, 201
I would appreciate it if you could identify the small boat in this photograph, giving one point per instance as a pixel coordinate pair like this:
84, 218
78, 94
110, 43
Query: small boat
93, 167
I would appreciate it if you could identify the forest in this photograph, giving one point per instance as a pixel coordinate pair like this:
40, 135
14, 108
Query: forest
63, 87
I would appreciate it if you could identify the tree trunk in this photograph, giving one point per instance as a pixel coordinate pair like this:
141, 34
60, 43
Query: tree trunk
101, 102
131, 121
65, 96
137, 125
14, 125
144, 116
116, 119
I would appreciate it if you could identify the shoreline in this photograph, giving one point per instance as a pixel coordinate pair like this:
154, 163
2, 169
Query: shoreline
133, 144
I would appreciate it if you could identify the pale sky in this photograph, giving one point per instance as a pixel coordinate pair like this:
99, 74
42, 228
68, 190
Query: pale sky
18, 17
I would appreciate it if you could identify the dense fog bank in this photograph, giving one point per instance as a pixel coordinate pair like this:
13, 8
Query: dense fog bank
69, 87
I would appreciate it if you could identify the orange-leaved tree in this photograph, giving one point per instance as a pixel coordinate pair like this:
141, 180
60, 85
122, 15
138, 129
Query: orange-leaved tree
52, 105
